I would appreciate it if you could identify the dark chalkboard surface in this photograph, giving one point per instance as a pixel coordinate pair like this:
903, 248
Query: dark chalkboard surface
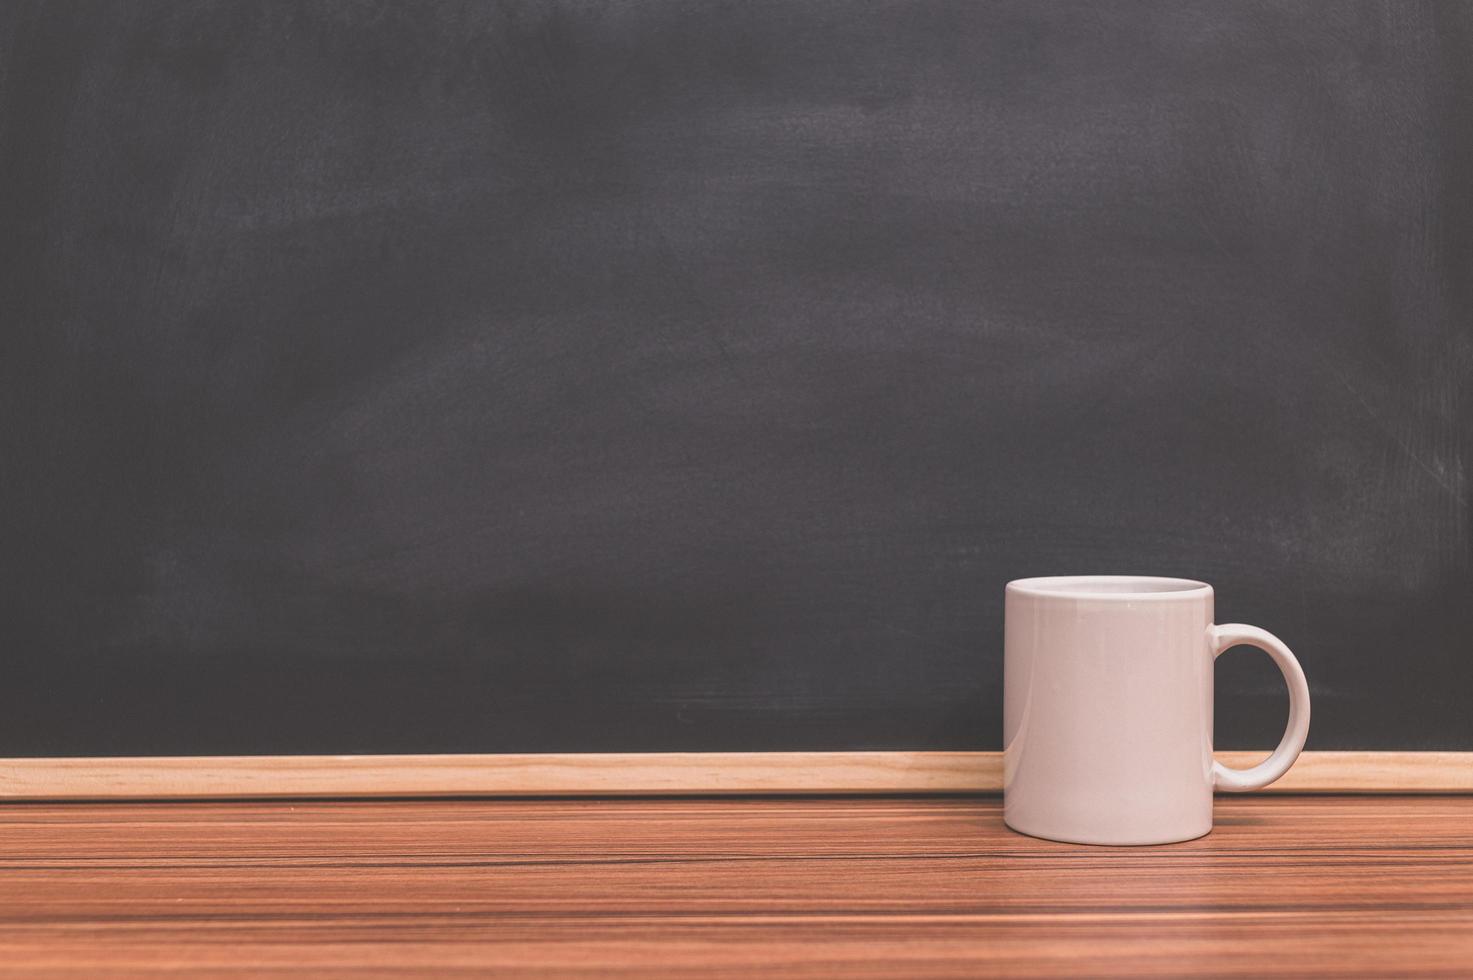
395, 377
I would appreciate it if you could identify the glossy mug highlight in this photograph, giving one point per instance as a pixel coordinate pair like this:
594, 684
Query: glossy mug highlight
1107, 709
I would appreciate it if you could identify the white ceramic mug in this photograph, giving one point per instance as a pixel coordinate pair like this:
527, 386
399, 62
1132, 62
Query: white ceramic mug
1107, 709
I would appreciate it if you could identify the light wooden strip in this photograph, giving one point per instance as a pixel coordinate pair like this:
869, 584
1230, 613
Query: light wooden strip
475, 775
1368, 772
643, 774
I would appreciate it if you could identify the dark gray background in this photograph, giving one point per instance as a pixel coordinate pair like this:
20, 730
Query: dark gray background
689, 375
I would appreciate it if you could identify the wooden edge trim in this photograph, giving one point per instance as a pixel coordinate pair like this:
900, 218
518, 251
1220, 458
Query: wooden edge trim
617, 774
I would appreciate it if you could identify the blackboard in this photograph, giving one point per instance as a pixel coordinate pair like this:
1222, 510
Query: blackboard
480, 377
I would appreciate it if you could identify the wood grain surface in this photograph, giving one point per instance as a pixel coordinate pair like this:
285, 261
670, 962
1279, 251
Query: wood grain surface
647, 773
1301, 886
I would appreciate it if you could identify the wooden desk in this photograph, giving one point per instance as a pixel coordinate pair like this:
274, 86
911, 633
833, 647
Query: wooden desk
1338, 886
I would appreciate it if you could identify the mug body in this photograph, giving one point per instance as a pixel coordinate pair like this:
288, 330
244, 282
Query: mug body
1107, 709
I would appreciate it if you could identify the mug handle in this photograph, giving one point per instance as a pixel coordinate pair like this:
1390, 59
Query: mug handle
1243, 780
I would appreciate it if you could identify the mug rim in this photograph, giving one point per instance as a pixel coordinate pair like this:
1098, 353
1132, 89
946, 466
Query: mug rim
1130, 588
